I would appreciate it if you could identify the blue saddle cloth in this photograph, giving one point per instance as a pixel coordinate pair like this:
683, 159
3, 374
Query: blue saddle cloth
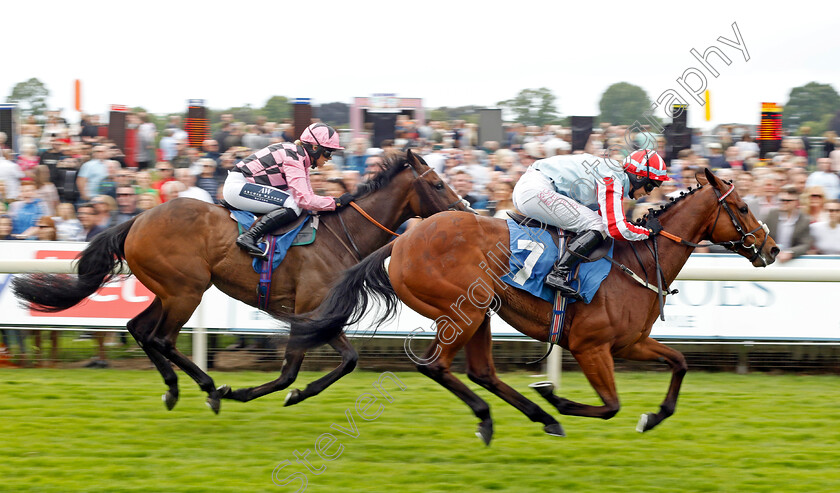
533, 253
246, 219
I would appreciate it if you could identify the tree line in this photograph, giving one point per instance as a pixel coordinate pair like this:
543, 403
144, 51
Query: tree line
812, 105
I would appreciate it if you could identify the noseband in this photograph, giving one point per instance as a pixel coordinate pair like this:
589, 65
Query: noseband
733, 245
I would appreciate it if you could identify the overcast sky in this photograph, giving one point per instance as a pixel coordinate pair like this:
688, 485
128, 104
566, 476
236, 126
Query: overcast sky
159, 54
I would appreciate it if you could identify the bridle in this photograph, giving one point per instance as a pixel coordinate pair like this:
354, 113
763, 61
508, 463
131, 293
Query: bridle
358, 208
731, 245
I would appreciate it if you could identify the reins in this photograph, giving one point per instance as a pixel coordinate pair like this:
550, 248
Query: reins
367, 216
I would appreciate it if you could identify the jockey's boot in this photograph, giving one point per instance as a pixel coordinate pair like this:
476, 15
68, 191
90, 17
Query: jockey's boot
581, 245
266, 224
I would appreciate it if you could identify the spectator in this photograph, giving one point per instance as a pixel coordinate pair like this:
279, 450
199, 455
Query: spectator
90, 128
716, 159
46, 229
826, 234
146, 201
66, 183
351, 179
26, 211
191, 191
92, 173
126, 205
789, 226
356, 156
211, 150
52, 156
829, 144
373, 165
46, 190
502, 202
67, 225
105, 207
10, 174
815, 204
143, 184
168, 145
207, 180
145, 142
178, 132
88, 217
28, 159
462, 183
165, 175
221, 137
6, 227
824, 178
747, 148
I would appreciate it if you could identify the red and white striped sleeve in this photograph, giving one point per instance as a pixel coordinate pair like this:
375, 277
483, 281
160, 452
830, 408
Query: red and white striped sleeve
610, 195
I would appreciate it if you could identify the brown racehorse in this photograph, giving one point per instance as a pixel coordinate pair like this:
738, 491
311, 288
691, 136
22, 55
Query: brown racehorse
436, 269
182, 247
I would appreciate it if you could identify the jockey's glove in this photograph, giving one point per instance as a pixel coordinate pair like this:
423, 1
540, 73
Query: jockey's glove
344, 200
654, 226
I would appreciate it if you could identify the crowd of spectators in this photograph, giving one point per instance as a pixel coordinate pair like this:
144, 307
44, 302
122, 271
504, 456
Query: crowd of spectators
67, 182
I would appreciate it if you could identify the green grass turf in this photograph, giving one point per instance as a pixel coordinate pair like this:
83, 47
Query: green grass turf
107, 430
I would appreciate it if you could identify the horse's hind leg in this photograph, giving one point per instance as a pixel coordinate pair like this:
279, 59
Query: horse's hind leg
292, 361
349, 357
141, 328
176, 312
648, 350
480, 370
597, 364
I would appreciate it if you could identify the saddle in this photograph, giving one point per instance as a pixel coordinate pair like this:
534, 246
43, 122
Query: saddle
556, 233
279, 231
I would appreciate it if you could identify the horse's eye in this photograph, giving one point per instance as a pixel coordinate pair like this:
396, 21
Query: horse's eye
743, 210
439, 185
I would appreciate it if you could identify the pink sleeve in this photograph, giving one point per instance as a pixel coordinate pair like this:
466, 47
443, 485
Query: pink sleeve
297, 178
612, 213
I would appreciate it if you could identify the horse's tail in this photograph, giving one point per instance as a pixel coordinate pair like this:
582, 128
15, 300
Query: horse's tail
347, 301
96, 266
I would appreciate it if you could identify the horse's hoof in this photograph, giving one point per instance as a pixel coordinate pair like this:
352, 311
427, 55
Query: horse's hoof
292, 398
642, 425
485, 431
554, 429
169, 400
214, 404
545, 389
223, 391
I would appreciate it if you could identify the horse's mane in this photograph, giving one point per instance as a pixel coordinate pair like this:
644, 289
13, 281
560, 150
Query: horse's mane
664, 208
394, 163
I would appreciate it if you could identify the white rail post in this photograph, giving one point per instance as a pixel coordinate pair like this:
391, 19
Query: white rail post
555, 366
199, 335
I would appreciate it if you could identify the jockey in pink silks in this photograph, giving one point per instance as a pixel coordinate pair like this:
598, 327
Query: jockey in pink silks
275, 181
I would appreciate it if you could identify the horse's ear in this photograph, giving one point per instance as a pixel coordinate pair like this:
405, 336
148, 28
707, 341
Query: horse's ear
414, 160
709, 177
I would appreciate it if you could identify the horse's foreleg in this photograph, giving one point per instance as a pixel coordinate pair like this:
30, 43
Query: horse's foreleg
480, 370
438, 370
597, 364
648, 350
292, 361
349, 357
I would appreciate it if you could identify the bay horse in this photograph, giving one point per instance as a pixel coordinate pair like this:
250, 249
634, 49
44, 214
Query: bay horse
182, 247
436, 269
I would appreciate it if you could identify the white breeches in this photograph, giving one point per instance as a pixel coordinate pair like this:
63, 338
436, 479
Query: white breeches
248, 196
534, 195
